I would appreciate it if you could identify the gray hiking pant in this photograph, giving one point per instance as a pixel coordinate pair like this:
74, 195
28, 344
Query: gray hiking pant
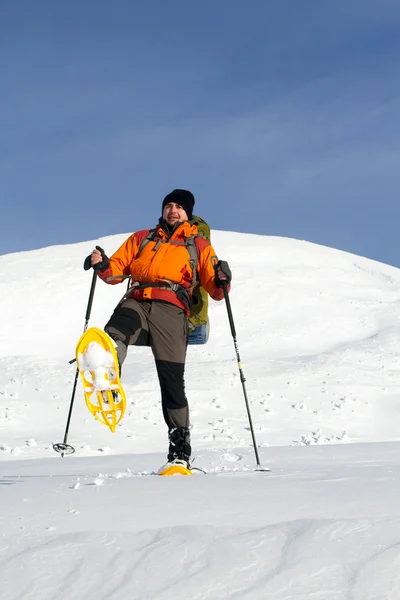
163, 327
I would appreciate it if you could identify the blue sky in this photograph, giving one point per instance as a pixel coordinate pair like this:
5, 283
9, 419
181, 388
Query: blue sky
281, 116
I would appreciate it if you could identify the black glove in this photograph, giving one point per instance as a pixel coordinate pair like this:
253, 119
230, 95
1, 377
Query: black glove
223, 265
101, 266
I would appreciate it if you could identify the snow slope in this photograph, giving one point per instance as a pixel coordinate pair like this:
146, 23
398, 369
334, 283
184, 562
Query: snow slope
318, 333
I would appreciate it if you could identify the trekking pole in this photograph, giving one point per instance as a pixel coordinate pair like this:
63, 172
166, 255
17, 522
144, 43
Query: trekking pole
242, 377
63, 447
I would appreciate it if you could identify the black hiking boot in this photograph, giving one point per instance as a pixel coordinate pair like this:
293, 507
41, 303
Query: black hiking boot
115, 396
179, 446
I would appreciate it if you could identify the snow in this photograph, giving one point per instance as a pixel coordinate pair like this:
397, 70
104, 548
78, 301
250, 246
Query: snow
98, 361
318, 333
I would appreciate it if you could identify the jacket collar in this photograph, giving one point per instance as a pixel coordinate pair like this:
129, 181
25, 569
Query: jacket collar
182, 230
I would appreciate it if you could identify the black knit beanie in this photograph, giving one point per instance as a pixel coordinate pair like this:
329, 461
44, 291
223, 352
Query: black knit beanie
182, 197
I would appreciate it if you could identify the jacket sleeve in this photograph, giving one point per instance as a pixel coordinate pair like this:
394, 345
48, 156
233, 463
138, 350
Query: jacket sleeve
207, 260
121, 260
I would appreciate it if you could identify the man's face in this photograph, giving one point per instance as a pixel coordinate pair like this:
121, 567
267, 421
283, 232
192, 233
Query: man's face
174, 213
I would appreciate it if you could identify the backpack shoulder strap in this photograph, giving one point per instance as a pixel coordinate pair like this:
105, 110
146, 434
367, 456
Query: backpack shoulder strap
151, 236
193, 256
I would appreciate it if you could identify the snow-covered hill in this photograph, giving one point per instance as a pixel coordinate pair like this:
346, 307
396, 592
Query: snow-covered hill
318, 332
319, 337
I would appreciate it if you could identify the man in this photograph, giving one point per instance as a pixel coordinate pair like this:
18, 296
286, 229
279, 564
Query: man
155, 311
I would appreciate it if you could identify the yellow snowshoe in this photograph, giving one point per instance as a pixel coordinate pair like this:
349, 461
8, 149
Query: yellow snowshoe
98, 367
176, 468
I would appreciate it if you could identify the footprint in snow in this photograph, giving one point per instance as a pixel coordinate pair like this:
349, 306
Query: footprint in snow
299, 406
219, 423
216, 403
231, 457
259, 427
98, 481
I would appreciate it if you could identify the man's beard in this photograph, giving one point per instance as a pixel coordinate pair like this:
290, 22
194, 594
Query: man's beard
169, 229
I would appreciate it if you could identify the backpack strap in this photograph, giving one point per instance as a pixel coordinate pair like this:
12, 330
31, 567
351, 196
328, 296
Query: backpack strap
193, 257
150, 237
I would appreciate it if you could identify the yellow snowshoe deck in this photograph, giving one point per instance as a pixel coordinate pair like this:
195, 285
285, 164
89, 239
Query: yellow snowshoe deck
98, 367
177, 469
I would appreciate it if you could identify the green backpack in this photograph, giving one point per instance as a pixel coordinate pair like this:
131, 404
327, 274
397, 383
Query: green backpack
198, 317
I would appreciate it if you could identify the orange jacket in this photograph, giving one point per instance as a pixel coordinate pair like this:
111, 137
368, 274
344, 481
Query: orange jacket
167, 261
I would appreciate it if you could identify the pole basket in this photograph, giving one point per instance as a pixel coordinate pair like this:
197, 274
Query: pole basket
63, 448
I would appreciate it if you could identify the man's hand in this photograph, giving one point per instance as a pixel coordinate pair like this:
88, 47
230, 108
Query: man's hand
222, 273
99, 258
96, 257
